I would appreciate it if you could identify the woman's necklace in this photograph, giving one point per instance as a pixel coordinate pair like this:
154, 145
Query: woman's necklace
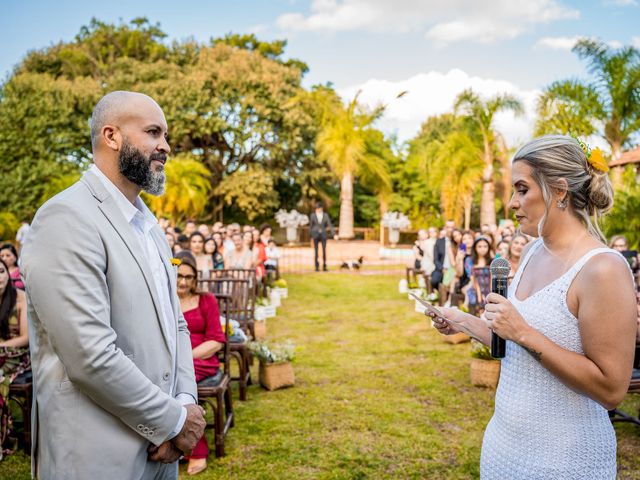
570, 249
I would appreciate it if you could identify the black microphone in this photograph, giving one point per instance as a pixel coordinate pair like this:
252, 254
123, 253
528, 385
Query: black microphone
500, 269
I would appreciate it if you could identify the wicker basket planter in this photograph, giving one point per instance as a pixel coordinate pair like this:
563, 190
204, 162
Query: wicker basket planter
260, 329
284, 292
274, 298
264, 311
276, 375
456, 338
485, 373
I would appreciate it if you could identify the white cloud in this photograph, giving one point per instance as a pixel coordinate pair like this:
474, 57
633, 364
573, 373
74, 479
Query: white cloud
441, 21
567, 43
635, 41
558, 43
622, 3
433, 93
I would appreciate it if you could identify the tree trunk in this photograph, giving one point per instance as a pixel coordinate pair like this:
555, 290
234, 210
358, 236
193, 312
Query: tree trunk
468, 201
506, 175
488, 203
383, 209
616, 172
345, 230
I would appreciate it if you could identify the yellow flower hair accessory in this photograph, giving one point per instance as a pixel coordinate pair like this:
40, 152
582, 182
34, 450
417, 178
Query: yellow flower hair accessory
597, 161
176, 261
594, 157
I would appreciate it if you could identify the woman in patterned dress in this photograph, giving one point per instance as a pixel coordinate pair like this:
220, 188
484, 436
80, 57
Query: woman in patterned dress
15, 364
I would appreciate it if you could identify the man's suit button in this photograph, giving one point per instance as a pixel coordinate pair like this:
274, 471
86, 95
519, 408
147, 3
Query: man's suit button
165, 376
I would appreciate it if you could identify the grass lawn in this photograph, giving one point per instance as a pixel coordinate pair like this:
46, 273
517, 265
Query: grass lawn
378, 395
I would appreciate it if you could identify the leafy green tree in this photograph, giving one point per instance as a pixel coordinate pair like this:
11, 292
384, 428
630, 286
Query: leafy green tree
607, 103
251, 191
623, 218
231, 104
482, 113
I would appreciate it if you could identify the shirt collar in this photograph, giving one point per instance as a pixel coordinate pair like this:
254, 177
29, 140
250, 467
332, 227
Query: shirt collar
131, 211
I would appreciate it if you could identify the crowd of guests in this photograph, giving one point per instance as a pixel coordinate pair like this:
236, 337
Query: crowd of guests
219, 246
457, 261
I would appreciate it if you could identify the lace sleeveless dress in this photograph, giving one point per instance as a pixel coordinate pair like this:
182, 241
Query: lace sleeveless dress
541, 429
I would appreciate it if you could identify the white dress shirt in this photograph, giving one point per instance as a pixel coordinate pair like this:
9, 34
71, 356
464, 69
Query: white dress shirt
141, 222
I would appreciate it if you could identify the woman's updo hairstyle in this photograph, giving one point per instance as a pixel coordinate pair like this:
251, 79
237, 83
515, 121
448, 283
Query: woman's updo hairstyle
556, 157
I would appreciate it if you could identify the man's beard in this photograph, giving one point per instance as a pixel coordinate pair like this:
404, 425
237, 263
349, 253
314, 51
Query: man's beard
137, 169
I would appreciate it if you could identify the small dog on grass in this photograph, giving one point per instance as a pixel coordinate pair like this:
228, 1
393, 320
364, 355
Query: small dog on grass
352, 264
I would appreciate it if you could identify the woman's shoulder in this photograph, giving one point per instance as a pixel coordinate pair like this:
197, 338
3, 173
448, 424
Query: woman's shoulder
207, 300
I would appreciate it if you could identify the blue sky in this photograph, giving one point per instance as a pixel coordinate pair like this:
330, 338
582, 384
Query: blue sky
433, 48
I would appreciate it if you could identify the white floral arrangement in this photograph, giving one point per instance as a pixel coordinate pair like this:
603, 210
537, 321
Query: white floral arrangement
395, 220
273, 353
292, 219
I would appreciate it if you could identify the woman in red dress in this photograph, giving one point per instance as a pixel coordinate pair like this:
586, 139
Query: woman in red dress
203, 319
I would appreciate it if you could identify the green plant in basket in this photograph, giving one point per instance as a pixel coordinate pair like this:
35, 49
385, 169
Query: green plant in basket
280, 283
262, 302
480, 350
273, 353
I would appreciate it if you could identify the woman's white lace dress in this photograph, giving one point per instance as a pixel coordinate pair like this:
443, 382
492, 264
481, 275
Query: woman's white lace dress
541, 429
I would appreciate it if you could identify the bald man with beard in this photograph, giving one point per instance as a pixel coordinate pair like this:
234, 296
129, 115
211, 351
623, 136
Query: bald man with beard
114, 388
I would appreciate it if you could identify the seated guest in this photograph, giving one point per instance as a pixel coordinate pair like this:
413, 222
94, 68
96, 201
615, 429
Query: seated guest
204, 261
184, 241
464, 263
502, 249
211, 249
9, 255
204, 230
239, 257
260, 250
247, 239
189, 227
515, 251
14, 348
273, 255
481, 275
428, 246
218, 237
171, 239
418, 249
203, 319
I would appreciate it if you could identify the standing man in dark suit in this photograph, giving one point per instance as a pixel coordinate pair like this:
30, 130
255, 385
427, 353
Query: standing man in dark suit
319, 223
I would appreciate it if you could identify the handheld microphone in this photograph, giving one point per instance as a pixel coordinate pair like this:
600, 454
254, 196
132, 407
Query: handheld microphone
500, 269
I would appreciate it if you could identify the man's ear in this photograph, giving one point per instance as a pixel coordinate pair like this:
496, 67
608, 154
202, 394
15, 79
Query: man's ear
112, 137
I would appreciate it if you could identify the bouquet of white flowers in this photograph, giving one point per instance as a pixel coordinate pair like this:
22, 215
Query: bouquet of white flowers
292, 219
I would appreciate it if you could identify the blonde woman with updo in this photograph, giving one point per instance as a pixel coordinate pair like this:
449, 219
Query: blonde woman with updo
569, 323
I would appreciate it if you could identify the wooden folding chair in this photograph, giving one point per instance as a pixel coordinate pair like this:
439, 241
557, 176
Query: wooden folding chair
242, 310
219, 396
22, 394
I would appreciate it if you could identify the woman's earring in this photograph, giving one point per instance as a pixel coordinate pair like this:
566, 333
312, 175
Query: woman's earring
562, 204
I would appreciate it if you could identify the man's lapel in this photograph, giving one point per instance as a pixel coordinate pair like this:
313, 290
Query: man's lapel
113, 214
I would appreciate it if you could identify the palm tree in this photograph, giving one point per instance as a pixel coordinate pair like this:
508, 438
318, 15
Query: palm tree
607, 104
187, 189
482, 113
342, 143
457, 166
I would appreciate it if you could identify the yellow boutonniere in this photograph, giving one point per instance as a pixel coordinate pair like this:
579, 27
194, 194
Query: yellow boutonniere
176, 261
